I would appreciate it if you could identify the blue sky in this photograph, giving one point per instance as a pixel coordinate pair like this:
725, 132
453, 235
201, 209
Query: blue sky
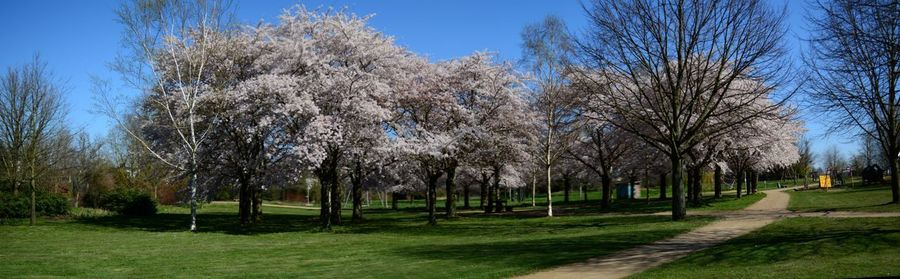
79, 38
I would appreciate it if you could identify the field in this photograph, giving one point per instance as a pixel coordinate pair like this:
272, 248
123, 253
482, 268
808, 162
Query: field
399, 244
799, 248
870, 198
288, 244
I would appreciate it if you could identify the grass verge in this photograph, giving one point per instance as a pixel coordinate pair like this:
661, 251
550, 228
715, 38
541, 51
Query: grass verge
798, 248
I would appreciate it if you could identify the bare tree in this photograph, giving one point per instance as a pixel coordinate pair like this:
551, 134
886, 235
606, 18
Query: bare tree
833, 161
673, 70
855, 62
169, 44
547, 52
804, 165
31, 117
85, 161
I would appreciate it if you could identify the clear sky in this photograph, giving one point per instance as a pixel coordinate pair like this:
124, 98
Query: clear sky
79, 38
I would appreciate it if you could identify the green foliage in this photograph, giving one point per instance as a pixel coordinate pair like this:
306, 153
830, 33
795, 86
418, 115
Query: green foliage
19, 206
129, 202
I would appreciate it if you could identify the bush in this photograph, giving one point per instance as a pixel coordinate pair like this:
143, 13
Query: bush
128, 202
19, 206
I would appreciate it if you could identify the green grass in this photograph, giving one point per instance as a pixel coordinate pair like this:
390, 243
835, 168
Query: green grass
578, 205
798, 248
858, 198
388, 244
728, 202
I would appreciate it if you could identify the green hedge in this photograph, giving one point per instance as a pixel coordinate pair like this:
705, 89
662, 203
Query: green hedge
19, 206
129, 202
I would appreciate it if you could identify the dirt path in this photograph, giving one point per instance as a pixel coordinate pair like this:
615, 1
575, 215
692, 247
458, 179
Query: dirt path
270, 205
638, 259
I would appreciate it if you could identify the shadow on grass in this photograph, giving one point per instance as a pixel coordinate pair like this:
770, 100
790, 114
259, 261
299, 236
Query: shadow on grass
783, 242
207, 223
377, 221
533, 254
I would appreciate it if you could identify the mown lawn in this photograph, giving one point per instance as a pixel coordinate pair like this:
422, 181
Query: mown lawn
799, 248
288, 244
728, 202
579, 205
856, 198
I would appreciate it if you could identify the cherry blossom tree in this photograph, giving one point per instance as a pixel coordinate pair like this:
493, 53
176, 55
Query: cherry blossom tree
497, 133
602, 147
762, 144
355, 72
260, 111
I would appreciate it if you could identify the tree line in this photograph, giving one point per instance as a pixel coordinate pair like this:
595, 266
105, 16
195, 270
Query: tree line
669, 88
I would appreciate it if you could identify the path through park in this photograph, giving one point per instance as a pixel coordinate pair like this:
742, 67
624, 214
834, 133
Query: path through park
732, 225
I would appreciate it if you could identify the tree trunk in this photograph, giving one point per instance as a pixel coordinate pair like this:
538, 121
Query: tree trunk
496, 191
567, 188
584, 192
662, 186
678, 203
698, 186
357, 196
739, 182
394, 200
335, 195
244, 201
895, 180
606, 196
432, 198
450, 185
466, 197
33, 209
256, 214
632, 185
717, 182
483, 184
192, 184
533, 188
754, 180
690, 185
549, 192
325, 197
486, 193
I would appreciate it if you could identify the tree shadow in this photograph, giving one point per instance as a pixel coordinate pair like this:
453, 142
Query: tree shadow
780, 243
206, 223
534, 254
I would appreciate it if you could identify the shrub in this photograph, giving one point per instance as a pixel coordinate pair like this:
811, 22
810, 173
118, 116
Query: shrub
19, 206
128, 202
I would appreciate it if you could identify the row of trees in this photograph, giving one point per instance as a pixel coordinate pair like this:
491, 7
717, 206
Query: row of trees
41, 155
855, 72
322, 92
700, 83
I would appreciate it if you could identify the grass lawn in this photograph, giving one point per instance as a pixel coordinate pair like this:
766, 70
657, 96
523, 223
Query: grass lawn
728, 202
799, 248
388, 245
857, 198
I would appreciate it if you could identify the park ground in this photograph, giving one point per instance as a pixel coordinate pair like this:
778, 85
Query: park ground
398, 244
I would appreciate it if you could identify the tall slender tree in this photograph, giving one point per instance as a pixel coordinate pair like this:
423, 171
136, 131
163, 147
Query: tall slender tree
547, 54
